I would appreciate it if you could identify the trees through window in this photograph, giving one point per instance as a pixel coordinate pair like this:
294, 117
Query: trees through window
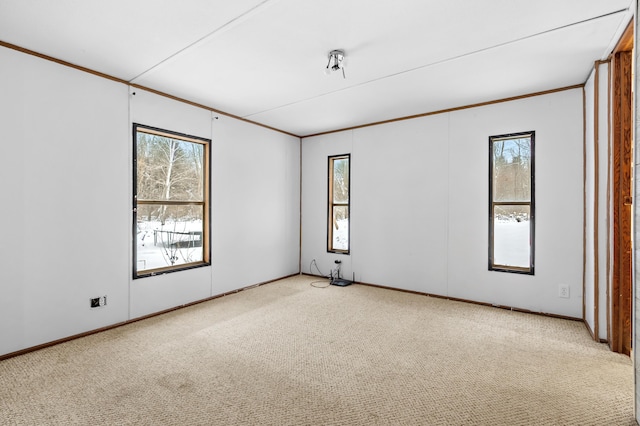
171, 201
511, 203
338, 218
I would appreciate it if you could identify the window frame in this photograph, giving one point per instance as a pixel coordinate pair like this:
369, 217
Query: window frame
531, 204
332, 204
205, 203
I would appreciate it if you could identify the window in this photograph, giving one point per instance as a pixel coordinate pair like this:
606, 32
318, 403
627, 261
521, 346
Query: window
511, 203
338, 219
170, 201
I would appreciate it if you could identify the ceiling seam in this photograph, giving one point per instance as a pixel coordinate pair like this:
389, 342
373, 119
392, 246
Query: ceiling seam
133, 85
240, 18
248, 13
443, 61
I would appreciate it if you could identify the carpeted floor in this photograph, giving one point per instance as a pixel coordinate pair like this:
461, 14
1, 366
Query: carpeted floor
288, 353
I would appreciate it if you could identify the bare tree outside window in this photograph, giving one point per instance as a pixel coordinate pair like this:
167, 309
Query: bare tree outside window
170, 201
338, 223
511, 203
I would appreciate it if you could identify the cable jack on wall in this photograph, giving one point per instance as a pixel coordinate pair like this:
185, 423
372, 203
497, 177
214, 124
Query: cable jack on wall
336, 62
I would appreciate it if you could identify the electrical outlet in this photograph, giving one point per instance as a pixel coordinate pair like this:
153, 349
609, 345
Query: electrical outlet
97, 302
563, 291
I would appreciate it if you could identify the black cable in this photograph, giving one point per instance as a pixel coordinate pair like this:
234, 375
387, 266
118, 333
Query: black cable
313, 262
312, 284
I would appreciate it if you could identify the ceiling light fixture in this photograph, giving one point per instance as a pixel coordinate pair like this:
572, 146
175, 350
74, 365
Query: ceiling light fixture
336, 62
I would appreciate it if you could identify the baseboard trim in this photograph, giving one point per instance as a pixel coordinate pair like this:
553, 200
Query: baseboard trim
120, 324
155, 314
456, 299
474, 302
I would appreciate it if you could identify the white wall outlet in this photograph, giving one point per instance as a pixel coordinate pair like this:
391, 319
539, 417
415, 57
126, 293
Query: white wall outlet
563, 291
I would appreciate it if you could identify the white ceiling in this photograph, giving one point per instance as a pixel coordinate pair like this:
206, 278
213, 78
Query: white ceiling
263, 60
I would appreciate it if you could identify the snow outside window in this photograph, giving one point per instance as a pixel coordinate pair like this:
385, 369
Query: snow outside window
338, 218
511, 203
171, 202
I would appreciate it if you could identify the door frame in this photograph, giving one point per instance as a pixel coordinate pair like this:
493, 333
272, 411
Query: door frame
620, 298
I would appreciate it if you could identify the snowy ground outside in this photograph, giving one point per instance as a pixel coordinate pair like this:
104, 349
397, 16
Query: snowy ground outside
511, 241
511, 246
341, 235
160, 246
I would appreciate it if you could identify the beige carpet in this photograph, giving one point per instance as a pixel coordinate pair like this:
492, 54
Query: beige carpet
288, 353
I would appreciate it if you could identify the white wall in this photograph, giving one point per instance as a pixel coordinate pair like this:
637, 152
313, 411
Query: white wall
590, 281
605, 216
419, 199
153, 294
315, 169
419, 194
65, 210
400, 203
66, 184
256, 204
597, 143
